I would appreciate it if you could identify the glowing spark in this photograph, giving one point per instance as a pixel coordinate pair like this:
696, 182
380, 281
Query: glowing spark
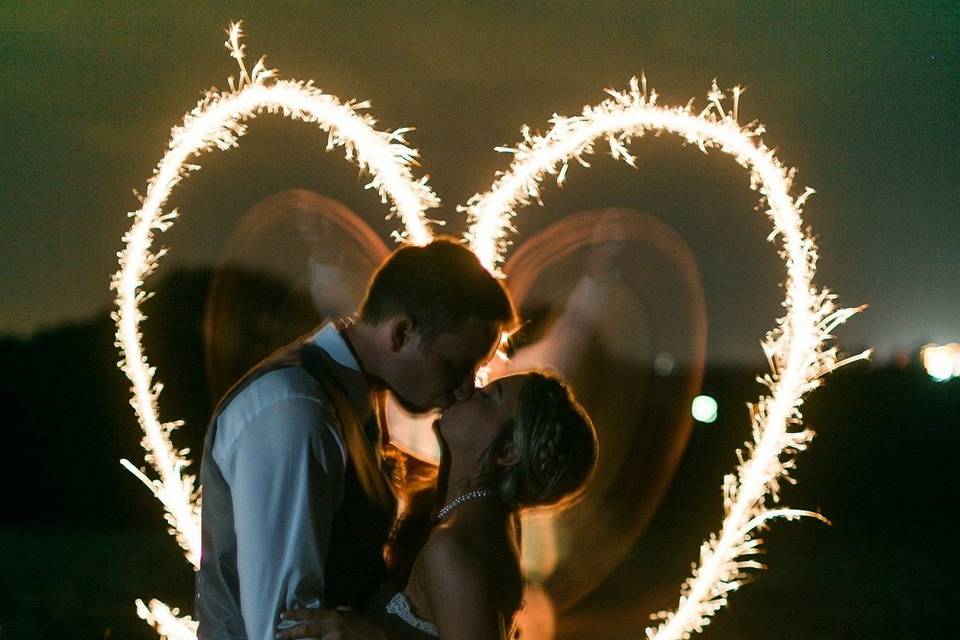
166, 621
217, 122
794, 348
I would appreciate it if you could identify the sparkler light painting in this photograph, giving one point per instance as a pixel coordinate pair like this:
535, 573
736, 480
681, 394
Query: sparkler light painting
795, 349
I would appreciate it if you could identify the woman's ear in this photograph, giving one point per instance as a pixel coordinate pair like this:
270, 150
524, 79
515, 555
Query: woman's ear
507, 454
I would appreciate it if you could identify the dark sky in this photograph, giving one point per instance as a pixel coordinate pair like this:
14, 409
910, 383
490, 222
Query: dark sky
861, 98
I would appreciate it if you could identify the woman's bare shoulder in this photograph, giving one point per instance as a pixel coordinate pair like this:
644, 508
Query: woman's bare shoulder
472, 562
463, 583
450, 551
468, 546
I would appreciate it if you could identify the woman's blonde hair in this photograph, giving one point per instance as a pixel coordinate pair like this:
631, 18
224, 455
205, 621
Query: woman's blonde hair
556, 443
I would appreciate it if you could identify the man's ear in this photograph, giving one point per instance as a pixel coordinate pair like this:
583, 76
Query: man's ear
400, 330
507, 454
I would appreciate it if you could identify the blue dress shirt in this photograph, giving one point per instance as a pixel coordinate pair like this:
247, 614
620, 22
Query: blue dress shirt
276, 465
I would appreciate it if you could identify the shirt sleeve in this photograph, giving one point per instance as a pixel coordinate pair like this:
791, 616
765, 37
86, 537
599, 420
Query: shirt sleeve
286, 480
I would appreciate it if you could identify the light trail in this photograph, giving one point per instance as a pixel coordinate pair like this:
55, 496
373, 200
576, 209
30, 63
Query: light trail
217, 122
795, 348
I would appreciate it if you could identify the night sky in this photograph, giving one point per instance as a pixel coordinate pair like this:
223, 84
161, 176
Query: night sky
861, 98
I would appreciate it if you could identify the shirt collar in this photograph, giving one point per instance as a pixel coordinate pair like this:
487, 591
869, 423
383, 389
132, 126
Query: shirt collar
355, 383
329, 339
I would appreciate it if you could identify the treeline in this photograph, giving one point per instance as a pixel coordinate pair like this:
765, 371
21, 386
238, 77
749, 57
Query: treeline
66, 418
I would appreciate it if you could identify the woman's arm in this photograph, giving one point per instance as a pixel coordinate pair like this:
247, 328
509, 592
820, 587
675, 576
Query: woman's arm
460, 590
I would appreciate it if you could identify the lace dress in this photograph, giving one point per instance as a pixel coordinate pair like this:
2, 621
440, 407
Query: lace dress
392, 612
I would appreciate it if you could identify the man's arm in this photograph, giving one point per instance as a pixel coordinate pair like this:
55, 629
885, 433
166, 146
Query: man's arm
285, 474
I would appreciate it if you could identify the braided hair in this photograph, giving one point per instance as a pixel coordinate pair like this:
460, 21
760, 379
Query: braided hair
556, 443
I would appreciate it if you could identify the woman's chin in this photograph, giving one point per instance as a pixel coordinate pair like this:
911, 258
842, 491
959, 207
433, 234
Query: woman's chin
445, 429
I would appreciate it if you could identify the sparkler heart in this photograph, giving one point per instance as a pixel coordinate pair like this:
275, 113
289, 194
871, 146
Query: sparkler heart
795, 348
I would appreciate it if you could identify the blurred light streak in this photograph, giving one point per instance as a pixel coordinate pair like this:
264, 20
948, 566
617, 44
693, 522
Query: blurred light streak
602, 292
795, 348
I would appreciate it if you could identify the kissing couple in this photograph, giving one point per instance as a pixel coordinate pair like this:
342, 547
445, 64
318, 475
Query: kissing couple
314, 524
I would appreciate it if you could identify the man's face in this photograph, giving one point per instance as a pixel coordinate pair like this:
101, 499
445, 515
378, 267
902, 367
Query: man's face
434, 375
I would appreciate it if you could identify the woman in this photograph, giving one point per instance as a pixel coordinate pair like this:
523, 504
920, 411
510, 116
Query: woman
521, 442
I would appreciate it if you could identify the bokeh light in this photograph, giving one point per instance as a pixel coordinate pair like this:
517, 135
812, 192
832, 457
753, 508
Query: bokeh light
942, 362
704, 409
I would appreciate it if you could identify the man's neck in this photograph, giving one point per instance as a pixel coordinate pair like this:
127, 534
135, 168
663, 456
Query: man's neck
359, 339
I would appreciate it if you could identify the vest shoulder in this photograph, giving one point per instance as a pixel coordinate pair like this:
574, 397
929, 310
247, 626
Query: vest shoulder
260, 394
275, 386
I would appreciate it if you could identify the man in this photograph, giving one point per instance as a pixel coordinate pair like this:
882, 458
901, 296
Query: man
296, 508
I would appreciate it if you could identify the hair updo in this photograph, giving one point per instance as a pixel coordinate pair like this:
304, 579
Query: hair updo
556, 443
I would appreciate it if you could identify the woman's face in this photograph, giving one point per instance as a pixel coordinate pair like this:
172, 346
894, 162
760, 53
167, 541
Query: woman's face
469, 426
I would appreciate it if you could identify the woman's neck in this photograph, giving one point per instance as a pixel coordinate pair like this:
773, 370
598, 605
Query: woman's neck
484, 517
458, 477
483, 513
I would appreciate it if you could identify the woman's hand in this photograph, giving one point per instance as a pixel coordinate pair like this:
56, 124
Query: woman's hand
329, 624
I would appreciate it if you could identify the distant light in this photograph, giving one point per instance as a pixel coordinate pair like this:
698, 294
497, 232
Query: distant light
663, 364
704, 409
941, 362
901, 359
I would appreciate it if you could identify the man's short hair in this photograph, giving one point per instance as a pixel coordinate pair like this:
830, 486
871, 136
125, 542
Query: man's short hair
439, 286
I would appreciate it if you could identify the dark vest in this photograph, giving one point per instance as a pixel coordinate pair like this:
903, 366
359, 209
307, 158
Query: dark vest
354, 566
